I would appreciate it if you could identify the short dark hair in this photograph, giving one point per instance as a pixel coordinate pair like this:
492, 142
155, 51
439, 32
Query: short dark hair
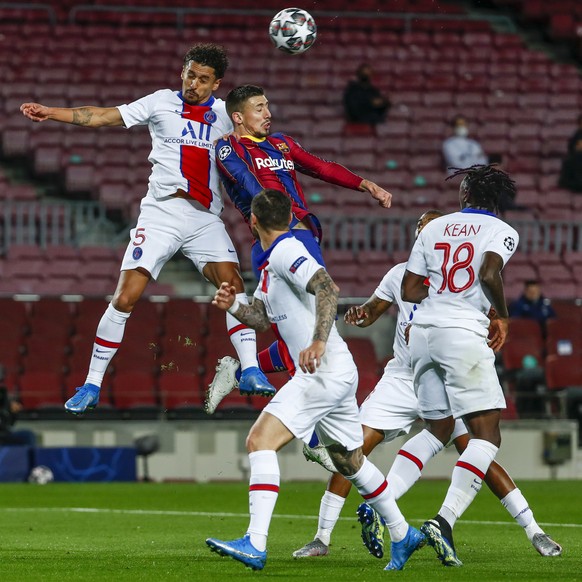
485, 185
272, 209
209, 55
238, 96
530, 282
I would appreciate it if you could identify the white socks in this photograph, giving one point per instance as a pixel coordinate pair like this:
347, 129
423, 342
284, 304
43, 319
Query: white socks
243, 338
373, 487
467, 477
107, 341
329, 511
517, 506
410, 461
263, 493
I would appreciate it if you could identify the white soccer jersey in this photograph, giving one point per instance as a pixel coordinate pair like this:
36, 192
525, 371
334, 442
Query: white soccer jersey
291, 309
449, 251
183, 139
389, 290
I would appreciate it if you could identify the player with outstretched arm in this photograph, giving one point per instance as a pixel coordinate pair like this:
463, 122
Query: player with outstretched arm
253, 158
181, 210
388, 412
298, 298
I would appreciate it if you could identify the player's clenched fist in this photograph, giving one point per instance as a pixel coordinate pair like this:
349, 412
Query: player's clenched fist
35, 111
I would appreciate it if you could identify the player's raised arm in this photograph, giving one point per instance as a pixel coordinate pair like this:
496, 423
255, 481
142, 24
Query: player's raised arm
253, 315
383, 197
366, 314
85, 116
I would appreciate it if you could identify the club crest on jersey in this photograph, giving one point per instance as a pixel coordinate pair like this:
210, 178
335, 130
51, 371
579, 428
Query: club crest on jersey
297, 264
283, 147
224, 152
210, 116
509, 243
137, 253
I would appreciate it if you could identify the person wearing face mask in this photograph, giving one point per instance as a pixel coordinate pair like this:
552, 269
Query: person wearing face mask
363, 102
461, 151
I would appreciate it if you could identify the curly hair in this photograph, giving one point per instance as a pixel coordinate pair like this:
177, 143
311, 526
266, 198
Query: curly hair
209, 55
484, 185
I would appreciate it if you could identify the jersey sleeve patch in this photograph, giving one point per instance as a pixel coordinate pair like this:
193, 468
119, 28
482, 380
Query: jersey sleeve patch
297, 264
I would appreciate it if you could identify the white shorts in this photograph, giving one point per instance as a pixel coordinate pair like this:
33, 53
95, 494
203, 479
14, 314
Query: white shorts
171, 224
391, 407
324, 402
454, 372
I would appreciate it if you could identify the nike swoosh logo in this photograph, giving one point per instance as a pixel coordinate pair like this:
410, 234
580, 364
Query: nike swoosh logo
102, 351
178, 112
247, 333
231, 250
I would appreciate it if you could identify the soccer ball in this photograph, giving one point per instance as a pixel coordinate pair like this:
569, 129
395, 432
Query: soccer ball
41, 475
293, 30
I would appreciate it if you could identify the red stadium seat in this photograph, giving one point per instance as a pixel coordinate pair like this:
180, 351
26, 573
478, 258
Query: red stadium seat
135, 390
41, 390
180, 391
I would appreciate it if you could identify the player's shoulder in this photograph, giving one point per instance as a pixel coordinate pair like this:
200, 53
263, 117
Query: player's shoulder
219, 107
281, 139
396, 272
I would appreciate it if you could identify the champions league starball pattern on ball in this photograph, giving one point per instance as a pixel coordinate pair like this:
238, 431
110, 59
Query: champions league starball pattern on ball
293, 30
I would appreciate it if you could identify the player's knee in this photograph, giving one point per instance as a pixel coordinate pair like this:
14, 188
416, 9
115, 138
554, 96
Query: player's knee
347, 463
124, 300
254, 442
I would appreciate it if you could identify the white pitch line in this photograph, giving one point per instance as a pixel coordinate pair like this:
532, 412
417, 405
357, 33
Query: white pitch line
224, 514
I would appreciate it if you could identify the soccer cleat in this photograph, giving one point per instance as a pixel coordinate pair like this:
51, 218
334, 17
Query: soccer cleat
241, 550
373, 525
85, 397
223, 383
439, 535
402, 550
546, 546
318, 454
253, 381
312, 549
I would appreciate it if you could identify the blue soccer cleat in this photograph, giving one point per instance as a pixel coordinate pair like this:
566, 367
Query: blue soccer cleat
402, 550
86, 397
253, 381
439, 535
241, 550
373, 525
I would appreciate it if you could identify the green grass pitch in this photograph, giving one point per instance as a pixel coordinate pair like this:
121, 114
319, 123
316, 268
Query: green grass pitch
156, 532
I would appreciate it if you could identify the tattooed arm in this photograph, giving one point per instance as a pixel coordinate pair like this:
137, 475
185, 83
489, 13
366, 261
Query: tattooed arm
253, 315
326, 292
84, 116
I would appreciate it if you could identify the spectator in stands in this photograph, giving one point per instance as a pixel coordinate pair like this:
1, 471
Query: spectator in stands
363, 101
571, 173
533, 305
9, 409
459, 150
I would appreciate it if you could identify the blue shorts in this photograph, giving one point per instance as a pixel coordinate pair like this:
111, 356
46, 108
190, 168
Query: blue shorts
305, 236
